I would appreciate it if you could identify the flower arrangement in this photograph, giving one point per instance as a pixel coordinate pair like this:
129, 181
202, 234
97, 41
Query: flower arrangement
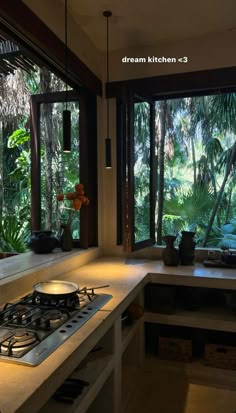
77, 198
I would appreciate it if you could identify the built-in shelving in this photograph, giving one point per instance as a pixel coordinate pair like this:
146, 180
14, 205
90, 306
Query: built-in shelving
211, 318
114, 368
102, 369
128, 332
95, 372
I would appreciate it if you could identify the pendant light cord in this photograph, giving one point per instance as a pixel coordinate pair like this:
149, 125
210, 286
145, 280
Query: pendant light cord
66, 53
107, 14
108, 132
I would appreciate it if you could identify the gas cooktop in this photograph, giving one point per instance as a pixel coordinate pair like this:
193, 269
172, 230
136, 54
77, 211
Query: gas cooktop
32, 328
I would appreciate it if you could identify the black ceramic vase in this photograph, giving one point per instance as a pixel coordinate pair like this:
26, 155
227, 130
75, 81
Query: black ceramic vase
42, 242
187, 248
170, 254
66, 241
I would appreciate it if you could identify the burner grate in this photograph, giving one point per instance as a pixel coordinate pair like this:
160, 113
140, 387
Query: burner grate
30, 332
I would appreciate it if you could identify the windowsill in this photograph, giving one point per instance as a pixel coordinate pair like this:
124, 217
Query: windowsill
16, 265
155, 253
19, 273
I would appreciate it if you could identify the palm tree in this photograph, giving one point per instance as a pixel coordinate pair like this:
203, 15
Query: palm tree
223, 110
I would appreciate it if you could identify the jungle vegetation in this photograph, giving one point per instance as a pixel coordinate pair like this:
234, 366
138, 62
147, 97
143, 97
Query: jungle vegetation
59, 171
195, 151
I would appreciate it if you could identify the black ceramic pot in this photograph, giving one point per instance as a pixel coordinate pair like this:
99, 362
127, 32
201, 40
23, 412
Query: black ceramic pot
170, 254
42, 242
187, 248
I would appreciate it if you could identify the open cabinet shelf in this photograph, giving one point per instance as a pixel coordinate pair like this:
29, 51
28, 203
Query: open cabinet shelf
128, 333
95, 372
211, 318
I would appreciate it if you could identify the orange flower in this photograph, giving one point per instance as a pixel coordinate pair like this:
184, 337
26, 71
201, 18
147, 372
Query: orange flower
60, 197
77, 197
77, 204
82, 198
71, 195
79, 188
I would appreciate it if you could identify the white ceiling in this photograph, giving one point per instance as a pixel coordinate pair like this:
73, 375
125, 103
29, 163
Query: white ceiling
146, 22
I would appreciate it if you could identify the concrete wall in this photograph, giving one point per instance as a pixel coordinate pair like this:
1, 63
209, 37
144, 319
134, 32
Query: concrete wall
51, 12
208, 52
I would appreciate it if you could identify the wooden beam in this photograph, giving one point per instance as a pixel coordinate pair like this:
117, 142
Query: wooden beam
168, 86
23, 26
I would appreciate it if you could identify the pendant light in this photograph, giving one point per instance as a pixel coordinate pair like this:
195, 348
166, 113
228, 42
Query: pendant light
66, 121
107, 14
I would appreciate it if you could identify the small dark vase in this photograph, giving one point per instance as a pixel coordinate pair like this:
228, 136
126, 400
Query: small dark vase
42, 242
66, 241
186, 248
170, 254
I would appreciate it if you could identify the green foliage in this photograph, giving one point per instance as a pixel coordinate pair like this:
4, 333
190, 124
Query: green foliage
15, 213
13, 234
18, 138
228, 241
224, 112
192, 205
227, 235
173, 224
199, 167
188, 210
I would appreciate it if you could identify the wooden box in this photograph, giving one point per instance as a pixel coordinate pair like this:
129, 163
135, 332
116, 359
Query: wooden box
221, 356
172, 348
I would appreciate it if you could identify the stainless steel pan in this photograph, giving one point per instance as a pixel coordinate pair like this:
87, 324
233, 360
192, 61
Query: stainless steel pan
61, 288
55, 288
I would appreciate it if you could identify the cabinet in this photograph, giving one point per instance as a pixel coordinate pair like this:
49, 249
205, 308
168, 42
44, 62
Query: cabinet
102, 371
112, 367
197, 320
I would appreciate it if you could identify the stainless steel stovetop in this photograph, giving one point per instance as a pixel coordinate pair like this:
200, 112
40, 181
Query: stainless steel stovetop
31, 329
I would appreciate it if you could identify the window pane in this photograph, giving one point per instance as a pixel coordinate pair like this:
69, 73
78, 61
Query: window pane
196, 168
142, 171
59, 171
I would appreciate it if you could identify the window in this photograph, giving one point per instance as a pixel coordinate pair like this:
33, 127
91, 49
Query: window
37, 44
179, 168
54, 172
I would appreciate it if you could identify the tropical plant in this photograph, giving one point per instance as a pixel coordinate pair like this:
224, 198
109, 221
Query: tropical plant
13, 235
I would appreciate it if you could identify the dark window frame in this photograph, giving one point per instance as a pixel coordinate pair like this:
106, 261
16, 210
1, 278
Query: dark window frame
23, 27
88, 226
154, 88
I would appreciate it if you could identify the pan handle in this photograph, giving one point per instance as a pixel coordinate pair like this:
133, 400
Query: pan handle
85, 289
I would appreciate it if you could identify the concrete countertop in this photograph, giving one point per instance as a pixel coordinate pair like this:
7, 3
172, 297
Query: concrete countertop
23, 388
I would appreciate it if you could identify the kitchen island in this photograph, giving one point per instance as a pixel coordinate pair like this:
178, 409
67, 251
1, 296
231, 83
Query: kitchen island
26, 389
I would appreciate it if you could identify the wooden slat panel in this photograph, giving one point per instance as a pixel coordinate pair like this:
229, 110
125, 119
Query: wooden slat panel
22, 25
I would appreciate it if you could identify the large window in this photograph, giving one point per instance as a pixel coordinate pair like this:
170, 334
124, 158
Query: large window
180, 168
55, 172
33, 167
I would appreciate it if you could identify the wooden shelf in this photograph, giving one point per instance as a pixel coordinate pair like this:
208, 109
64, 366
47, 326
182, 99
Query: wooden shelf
129, 332
96, 372
210, 318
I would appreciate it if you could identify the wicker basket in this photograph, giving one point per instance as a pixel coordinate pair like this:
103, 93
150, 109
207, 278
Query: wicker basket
178, 349
221, 356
